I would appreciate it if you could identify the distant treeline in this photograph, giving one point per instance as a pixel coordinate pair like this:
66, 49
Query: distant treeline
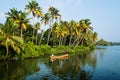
102, 42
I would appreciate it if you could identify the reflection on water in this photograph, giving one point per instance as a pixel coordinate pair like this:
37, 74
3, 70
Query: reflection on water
15, 70
101, 64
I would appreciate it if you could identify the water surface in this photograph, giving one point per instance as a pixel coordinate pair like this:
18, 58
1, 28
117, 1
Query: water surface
100, 64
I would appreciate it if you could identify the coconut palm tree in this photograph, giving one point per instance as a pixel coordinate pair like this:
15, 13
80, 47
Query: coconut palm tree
34, 8
37, 27
95, 36
22, 21
54, 14
19, 18
45, 19
64, 31
8, 27
86, 31
8, 40
71, 28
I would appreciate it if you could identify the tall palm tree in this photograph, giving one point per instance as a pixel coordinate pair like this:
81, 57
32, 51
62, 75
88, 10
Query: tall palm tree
86, 30
22, 21
64, 31
71, 28
45, 19
37, 27
54, 14
34, 8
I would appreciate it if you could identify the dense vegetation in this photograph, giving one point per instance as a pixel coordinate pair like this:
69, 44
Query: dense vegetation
19, 38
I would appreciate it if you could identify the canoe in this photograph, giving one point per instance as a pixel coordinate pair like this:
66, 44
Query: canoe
58, 57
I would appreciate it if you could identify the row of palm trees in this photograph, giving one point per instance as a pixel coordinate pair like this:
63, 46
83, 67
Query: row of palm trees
73, 33
18, 28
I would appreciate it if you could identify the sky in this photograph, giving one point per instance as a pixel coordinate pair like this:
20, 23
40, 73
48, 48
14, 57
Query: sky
104, 14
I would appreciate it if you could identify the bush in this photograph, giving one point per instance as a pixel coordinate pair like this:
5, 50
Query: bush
31, 50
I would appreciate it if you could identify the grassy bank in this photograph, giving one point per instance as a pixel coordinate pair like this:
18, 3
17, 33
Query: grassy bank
33, 51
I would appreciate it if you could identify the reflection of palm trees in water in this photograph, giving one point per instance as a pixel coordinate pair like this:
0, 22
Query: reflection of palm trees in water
73, 67
100, 52
17, 70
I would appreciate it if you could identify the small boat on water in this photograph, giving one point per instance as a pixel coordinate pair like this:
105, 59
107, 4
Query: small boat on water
59, 57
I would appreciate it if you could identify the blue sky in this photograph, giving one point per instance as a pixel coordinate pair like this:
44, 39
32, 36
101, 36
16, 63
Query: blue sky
104, 14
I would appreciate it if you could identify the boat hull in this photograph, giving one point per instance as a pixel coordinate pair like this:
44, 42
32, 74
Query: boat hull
58, 57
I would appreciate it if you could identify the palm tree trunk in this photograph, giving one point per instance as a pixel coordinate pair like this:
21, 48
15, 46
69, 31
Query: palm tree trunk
41, 38
33, 35
49, 32
70, 40
64, 40
36, 37
49, 36
79, 42
60, 41
7, 51
21, 32
75, 41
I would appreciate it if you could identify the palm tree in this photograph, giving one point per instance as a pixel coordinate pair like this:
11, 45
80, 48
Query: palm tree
41, 36
34, 8
19, 18
37, 27
64, 31
95, 36
14, 42
71, 28
45, 18
8, 27
23, 21
54, 14
86, 31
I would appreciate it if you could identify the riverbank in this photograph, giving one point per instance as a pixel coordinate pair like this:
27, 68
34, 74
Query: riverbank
33, 51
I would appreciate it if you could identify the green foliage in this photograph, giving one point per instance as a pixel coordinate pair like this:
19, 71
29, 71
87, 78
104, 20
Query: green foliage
44, 50
32, 50
80, 50
29, 50
102, 42
60, 49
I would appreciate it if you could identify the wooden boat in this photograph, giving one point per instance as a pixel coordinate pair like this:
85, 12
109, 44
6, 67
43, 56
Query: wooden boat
59, 57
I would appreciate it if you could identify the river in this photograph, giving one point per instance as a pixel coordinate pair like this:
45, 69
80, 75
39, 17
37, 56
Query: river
101, 64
